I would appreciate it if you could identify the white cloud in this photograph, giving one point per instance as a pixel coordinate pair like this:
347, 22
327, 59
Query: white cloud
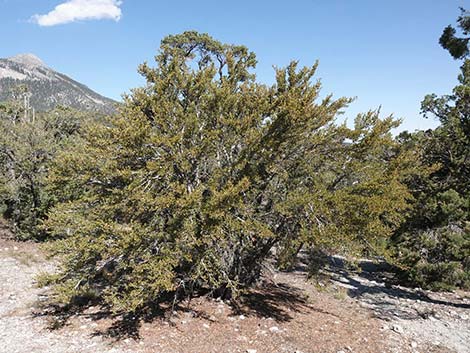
77, 10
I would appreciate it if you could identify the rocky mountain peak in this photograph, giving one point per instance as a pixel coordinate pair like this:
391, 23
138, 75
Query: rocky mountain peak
48, 88
27, 60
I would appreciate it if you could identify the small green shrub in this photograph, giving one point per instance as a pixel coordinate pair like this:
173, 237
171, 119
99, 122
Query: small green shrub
437, 259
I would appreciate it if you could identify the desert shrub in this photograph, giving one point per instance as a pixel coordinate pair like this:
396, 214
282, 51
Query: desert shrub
205, 171
437, 258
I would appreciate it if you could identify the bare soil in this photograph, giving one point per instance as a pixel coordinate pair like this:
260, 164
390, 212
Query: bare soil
287, 313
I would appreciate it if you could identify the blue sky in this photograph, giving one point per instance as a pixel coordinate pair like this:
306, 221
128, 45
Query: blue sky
385, 53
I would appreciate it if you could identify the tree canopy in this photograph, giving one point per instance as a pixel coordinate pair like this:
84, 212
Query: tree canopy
434, 243
206, 171
457, 46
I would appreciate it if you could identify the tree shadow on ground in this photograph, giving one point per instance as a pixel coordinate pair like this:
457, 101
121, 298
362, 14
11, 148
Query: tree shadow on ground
375, 285
275, 301
118, 326
58, 316
128, 325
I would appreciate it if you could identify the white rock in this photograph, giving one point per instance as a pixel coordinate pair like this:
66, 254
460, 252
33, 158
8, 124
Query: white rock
397, 329
414, 344
274, 329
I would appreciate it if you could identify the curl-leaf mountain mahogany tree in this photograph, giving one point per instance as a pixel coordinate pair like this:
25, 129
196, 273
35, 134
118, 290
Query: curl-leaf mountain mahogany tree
205, 171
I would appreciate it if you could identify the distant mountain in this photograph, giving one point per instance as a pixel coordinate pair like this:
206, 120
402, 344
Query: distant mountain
48, 88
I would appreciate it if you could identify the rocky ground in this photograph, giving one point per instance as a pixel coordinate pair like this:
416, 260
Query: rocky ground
439, 321
351, 313
21, 329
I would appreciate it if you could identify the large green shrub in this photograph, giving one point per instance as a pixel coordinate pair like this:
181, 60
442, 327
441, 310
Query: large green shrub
205, 171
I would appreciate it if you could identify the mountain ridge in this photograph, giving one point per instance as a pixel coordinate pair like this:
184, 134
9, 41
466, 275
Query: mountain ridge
48, 88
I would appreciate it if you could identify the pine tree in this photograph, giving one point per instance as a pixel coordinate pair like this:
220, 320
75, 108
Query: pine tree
434, 244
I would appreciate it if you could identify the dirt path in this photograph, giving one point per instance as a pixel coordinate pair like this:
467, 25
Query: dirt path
287, 315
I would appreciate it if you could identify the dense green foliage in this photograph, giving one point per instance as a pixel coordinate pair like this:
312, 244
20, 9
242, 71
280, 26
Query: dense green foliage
457, 47
205, 171
28, 142
434, 244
